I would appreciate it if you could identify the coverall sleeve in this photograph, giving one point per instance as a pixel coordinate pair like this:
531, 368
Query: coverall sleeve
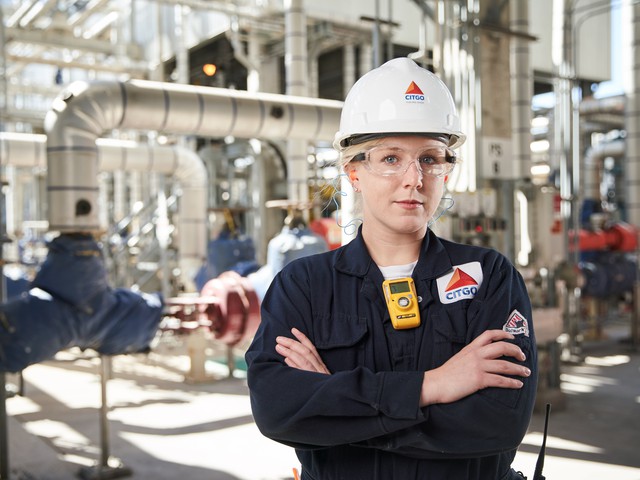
312, 410
489, 421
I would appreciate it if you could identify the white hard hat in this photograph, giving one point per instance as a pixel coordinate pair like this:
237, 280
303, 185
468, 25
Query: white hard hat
399, 97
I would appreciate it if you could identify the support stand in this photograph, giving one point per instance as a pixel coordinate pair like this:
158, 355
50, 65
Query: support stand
635, 318
108, 466
4, 437
231, 361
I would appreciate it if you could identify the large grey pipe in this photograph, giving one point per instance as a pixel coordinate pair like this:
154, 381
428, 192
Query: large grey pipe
27, 150
296, 66
592, 166
631, 12
84, 111
521, 88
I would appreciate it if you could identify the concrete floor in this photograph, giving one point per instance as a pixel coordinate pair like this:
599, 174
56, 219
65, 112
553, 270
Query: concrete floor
162, 427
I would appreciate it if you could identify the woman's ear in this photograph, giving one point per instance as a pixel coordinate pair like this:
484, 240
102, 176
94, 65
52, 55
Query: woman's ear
353, 178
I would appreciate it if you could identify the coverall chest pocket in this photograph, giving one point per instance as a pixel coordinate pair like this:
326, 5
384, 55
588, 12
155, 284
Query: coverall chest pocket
340, 340
450, 334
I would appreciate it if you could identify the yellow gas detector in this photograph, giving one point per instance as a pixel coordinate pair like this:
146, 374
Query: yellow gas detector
402, 302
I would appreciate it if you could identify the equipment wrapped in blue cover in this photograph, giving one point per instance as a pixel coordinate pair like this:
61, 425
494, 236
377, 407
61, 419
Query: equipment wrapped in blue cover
235, 252
71, 304
608, 274
16, 284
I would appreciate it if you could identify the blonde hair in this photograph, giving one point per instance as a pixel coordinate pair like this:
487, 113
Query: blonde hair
347, 154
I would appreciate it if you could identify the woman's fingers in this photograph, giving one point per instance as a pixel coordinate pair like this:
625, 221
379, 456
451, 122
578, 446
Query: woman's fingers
491, 344
504, 367
302, 338
503, 349
504, 382
300, 353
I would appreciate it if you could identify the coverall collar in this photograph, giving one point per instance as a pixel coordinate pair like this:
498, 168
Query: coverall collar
354, 259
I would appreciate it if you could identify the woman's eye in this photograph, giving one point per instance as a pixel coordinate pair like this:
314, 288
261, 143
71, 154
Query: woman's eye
428, 159
389, 160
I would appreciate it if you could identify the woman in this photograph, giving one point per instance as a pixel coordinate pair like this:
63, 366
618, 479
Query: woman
362, 384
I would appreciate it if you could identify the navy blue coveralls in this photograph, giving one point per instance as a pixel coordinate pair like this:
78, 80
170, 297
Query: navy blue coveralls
363, 421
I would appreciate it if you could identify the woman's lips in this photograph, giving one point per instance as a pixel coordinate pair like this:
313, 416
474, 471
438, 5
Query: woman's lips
409, 204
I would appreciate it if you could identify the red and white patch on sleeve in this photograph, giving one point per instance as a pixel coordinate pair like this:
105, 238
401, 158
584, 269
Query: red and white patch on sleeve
517, 324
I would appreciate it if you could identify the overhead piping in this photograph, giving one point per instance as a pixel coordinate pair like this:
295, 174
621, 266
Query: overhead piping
84, 111
90, 9
20, 12
133, 68
592, 106
35, 11
422, 54
251, 64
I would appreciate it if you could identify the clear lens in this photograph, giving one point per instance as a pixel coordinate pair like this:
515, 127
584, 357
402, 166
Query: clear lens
388, 160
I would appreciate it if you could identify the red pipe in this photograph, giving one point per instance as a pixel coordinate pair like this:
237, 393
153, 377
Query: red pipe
620, 237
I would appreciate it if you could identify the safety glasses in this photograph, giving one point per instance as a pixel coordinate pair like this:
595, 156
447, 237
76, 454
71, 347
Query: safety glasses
389, 160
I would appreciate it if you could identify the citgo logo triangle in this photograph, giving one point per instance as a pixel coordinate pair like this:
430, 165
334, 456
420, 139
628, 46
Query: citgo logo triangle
460, 279
414, 89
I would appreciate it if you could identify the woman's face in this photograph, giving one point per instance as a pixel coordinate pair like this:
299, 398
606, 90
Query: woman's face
401, 203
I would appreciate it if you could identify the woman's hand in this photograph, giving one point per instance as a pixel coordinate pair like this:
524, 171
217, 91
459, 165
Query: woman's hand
475, 367
300, 353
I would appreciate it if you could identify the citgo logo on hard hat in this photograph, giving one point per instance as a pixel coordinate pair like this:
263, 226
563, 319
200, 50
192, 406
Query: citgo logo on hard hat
413, 93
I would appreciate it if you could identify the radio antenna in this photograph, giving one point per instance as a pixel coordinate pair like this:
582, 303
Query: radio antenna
537, 474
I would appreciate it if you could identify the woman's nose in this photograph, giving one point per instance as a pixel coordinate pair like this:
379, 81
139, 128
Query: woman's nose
413, 175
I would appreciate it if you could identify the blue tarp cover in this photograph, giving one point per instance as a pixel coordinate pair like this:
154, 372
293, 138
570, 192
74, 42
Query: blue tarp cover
70, 303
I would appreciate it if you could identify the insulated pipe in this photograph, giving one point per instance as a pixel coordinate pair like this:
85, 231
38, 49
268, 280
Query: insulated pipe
249, 61
521, 89
23, 150
593, 164
422, 54
84, 111
27, 150
631, 57
521, 74
185, 166
561, 53
296, 71
36, 10
598, 114
631, 12
591, 106
348, 199
20, 12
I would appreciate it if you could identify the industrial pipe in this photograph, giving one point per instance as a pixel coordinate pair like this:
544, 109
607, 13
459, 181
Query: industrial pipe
84, 111
28, 150
236, 315
592, 166
620, 237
